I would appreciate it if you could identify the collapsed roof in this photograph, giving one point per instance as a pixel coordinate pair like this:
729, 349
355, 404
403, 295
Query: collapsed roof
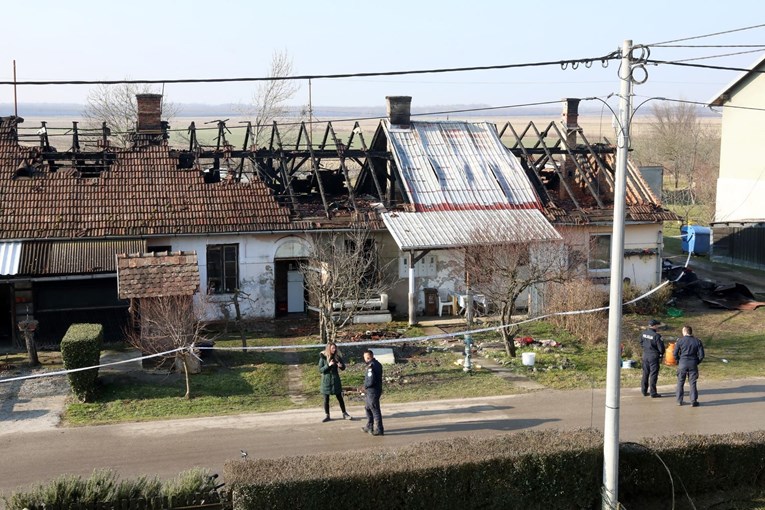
152, 189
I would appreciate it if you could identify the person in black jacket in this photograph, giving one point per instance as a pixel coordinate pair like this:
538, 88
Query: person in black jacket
689, 352
372, 394
330, 361
653, 350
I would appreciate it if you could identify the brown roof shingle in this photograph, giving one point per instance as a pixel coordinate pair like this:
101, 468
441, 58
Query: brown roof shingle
157, 274
142, 194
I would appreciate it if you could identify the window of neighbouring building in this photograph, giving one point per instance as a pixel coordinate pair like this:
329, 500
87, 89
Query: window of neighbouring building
222, 268
600, 252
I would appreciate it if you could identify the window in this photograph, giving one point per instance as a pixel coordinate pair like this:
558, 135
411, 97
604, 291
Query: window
222, 268
600, 252
159, 248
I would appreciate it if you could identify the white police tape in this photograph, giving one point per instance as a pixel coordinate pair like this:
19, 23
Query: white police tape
389, 341
82, 369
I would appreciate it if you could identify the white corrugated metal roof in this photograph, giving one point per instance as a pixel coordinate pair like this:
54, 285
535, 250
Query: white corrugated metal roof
455, 165
10, 257
450, 229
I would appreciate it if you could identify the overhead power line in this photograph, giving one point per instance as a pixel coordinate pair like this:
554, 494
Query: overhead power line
704, 66
563, 63
719, 55
707, 35
713, 45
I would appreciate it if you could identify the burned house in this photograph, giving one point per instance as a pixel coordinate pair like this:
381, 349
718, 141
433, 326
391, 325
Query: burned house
245, 211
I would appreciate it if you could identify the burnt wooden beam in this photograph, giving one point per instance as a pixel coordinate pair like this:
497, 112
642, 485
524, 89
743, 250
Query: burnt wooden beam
369, 161
315, 168
557, 169
283, 168
341, 158
582, 172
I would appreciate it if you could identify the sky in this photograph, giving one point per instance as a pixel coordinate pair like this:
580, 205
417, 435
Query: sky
98, 40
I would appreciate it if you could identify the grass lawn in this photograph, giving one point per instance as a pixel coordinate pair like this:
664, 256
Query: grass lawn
235, 382
736, 336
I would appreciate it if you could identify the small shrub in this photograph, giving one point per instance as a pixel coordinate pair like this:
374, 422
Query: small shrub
193, 481
81, 347
103, 489
579, 294
653, 304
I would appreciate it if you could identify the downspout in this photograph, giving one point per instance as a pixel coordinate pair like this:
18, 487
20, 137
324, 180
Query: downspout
660, 257
412, 309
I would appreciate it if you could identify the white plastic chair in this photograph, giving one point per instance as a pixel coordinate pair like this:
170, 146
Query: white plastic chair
445, 304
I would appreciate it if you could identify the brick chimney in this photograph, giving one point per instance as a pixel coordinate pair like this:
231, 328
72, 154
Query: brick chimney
571, 113
149, 113
399, 109
570, 121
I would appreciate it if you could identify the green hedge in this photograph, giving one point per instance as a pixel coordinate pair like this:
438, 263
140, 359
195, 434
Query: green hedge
81, 347
697, 465
536, 469
104, 489
545, 469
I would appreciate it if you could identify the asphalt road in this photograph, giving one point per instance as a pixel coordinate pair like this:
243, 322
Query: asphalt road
168, 447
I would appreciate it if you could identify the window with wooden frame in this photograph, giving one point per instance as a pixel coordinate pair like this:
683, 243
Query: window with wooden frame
599, 257
222, 268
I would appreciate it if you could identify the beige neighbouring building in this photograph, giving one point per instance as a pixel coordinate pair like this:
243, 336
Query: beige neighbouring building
738, 230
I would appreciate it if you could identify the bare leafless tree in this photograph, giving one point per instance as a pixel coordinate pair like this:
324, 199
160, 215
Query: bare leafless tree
502, 272
116, 106
686, 147
343, 273
168, 323
269, 101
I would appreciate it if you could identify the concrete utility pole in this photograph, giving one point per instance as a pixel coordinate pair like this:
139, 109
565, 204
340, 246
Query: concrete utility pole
611, 427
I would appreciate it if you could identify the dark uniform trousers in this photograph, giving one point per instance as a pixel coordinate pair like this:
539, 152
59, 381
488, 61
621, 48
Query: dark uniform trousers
690, 371
372, 408
650, 373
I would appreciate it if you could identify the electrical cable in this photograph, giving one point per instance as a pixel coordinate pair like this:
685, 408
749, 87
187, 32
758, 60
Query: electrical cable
712, 46
718, 56
707, 35
586, 61
700, 103
704, 66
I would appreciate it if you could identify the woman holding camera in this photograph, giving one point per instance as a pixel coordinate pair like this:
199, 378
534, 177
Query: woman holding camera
330, 364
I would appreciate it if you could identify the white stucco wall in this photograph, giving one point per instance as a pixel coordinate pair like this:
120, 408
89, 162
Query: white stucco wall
741, 182
644, 269
256, 272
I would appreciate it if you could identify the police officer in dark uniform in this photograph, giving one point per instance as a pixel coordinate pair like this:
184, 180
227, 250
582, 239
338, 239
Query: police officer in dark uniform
372, 394
689, 352
653, 350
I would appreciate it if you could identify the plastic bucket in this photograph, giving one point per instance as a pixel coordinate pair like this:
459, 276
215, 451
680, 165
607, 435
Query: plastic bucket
528, 358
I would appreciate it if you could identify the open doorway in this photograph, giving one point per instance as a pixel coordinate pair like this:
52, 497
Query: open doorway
6, 315
289, 289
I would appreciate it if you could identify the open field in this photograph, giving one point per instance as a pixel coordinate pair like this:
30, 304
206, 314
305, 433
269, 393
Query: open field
595, 127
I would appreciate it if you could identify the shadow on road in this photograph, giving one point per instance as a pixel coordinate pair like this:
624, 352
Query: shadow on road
470, 426
750, 388
462, 410
734, 401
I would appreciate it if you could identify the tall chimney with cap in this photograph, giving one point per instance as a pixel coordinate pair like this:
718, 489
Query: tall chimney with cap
399, 109
149, 113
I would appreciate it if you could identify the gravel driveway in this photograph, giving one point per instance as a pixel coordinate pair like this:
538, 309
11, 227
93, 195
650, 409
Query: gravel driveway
31, 404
